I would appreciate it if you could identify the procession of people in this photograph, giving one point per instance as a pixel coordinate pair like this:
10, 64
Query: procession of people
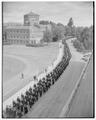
25, 102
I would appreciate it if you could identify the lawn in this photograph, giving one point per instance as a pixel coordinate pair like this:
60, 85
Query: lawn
26, 60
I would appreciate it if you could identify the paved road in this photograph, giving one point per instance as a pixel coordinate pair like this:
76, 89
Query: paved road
82, 105
52, 103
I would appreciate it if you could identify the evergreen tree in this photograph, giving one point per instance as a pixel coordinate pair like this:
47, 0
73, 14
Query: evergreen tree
70, 23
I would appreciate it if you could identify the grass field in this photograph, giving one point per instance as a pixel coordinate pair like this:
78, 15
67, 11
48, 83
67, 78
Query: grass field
29, 60
10, 68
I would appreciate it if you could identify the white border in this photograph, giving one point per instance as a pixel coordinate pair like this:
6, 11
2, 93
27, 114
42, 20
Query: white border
1, 40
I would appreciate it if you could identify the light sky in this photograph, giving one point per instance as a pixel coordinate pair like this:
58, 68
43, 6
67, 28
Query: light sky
81, 12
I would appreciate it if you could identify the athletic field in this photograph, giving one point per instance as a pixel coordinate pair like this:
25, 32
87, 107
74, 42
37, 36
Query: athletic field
27, 60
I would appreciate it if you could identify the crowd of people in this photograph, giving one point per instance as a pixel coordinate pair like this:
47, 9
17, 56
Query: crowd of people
24, 103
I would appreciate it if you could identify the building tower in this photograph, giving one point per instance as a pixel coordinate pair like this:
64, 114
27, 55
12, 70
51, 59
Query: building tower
31, 19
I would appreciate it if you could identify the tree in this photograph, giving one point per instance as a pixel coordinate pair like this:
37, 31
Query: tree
47, 37
84, 35
78, 45
70, 29
78, 32
87, 38
67, 31
58, 31
55, 38
73, 31
70, 23
61, 31
43, 22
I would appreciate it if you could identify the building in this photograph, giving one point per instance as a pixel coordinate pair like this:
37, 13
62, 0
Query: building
17, 34
31, 32
30, 19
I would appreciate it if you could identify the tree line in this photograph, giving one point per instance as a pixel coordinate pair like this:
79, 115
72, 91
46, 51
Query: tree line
58, 31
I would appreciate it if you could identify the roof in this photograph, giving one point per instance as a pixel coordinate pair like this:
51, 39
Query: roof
18, 27
12, 24
31, 14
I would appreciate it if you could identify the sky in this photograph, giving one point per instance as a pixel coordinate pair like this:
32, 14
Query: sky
59, 12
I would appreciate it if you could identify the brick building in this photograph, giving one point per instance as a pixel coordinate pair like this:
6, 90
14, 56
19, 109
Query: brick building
31, 32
